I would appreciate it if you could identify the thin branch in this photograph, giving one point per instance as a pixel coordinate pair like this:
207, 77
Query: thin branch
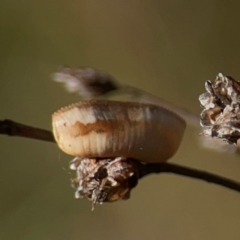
12, 128
192, 173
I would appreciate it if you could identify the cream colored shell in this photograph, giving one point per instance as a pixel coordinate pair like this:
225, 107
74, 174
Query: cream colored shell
100, 128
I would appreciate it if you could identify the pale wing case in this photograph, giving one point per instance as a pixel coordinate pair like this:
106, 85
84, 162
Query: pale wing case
99, 128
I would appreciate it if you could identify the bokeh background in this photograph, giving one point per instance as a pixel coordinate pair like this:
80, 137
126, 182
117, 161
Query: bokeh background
168, 48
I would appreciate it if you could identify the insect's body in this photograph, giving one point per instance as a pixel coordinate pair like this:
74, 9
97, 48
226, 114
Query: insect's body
102, 129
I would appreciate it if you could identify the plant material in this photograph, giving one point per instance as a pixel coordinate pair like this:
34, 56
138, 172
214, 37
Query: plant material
104, 180
220, 117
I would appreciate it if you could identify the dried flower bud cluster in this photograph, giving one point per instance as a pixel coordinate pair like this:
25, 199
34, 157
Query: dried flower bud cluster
87, 82
221, 114
104, 180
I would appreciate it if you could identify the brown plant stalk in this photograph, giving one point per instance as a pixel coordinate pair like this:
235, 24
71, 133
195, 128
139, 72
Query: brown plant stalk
11, 128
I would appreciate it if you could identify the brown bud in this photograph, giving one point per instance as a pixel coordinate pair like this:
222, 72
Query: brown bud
104, 180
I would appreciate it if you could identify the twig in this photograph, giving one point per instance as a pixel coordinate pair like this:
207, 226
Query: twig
190, 172
12, 128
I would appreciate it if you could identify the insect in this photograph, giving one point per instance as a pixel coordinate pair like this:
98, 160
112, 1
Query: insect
107, 137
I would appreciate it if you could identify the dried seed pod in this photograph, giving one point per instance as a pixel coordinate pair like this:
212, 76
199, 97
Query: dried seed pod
220, 117
103, 129
105, 180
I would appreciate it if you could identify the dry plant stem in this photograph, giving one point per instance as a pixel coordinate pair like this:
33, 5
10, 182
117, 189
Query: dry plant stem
12, 128
192, 173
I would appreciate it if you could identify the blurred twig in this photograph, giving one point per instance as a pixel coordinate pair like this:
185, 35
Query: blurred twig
11, 128
192, 173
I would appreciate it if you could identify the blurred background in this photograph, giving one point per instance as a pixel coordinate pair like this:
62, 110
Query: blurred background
168, 48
